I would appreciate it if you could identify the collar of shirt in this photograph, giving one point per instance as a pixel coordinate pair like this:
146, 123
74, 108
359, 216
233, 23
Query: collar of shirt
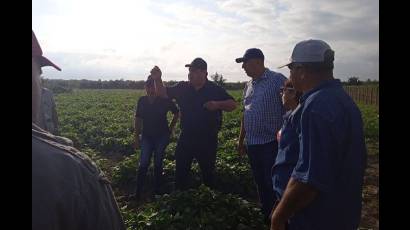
204, 87
324, 84
263, 77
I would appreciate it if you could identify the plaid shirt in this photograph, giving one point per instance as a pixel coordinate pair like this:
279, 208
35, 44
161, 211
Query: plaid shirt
263, 109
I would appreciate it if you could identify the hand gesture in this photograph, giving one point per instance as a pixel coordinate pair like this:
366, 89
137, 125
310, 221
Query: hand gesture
156, 73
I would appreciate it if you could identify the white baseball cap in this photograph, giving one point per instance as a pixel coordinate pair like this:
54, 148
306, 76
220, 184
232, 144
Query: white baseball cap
309, 51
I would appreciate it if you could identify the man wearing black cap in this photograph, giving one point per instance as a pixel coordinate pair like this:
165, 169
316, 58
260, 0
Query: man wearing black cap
262, 119
151, 113
201, 103
68, 189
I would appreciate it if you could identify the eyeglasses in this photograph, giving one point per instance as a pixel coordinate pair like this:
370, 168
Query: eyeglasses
288, 89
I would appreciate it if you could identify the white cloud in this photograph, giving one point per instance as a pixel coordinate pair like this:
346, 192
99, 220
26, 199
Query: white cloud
128, 37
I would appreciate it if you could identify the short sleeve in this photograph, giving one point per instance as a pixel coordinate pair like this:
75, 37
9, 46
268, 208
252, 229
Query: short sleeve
315, 165
222, 95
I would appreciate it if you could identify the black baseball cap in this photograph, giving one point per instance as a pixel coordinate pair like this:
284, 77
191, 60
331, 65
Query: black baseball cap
198, 63
252, 53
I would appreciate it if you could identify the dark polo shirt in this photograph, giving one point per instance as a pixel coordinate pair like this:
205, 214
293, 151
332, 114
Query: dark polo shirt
195, 118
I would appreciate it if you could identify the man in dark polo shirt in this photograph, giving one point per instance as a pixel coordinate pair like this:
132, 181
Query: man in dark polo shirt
201, 103
151, 114
324, 190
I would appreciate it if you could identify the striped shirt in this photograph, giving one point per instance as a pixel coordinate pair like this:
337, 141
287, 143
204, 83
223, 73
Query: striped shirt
263, 109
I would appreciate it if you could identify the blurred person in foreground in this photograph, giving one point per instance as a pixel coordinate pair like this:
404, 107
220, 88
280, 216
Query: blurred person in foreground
68, 189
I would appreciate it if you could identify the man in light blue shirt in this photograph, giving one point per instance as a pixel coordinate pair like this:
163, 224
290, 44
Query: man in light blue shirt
262, 118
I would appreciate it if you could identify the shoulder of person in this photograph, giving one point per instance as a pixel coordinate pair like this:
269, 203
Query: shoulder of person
212, 85
45, 90
181, 84
142, 98
165, 100
46, 146
276, 75
322, 104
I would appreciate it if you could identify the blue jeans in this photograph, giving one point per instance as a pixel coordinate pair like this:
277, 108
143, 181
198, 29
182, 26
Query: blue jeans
151, 145
261, 158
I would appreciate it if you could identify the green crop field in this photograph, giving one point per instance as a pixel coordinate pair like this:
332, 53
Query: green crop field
100, 124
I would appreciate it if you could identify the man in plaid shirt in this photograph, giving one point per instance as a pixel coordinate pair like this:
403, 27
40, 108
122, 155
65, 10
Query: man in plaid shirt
262, 118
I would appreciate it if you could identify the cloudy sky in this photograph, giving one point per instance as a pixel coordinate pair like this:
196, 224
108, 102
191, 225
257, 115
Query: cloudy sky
113, 39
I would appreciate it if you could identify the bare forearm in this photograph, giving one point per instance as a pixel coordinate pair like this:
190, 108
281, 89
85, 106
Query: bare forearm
227, 105
137, 127
242, 132
161, 91
296, 197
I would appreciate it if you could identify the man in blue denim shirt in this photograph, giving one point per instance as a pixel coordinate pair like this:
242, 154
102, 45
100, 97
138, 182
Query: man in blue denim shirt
325, 188
262, 118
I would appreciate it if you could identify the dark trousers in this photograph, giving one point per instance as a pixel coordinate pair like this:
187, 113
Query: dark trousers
261, 158
203, 149
151, 145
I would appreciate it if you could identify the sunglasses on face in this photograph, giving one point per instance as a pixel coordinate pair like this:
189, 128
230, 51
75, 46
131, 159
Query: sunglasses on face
287, 89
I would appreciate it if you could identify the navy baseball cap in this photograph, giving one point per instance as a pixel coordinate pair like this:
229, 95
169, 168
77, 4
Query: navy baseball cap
198, 63
252, 53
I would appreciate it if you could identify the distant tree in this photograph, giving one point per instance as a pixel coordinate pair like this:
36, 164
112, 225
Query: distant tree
218, 79
353, 81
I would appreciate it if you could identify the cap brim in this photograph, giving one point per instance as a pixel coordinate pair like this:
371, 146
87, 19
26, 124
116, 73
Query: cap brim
196, 67
239, 60
279, 67
45, 62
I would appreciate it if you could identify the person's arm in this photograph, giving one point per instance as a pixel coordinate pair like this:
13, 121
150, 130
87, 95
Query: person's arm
225, 105
297, 196
138, 122
137, 131
241, 145
98, 209
160, 89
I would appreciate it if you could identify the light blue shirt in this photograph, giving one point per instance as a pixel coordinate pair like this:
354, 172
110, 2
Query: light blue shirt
263, 109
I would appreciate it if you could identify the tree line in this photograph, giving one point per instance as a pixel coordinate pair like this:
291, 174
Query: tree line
60, 86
